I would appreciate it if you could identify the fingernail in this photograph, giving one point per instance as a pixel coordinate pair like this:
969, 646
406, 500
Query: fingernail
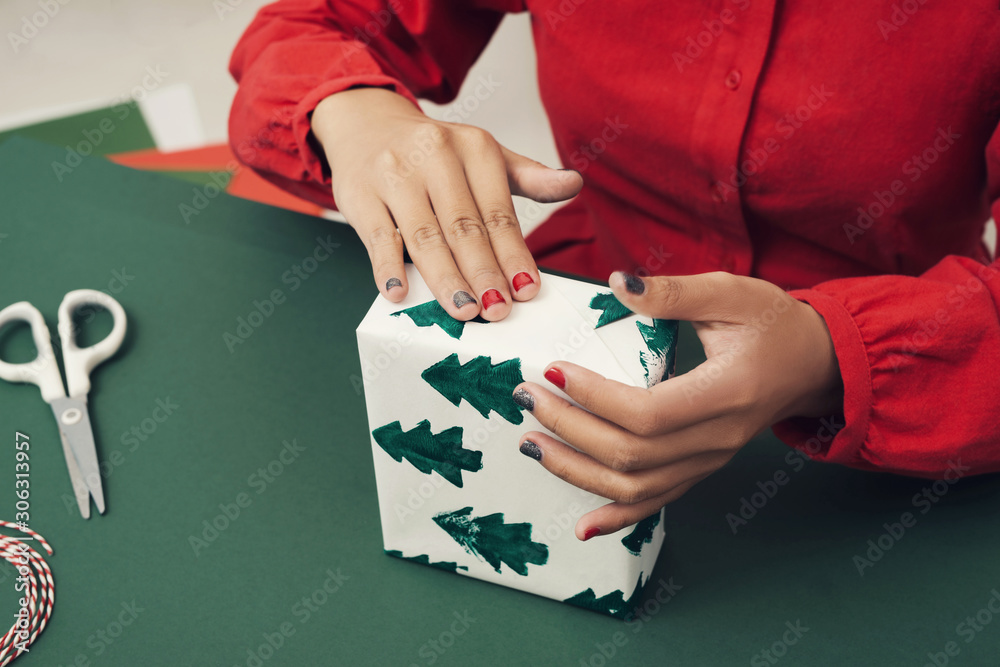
393, 282
593, 531
531, 450
524, 399
556, 377
462, 298
492, 297
633, 283
521, 280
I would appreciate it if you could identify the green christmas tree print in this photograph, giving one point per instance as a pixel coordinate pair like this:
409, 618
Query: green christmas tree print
442, 453
614, 603
661, 343
489, 538
485, 386
611, 308
423, 559
431, 313
641, 534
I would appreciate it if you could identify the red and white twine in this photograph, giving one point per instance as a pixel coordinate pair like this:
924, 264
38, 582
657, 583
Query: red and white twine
39, 589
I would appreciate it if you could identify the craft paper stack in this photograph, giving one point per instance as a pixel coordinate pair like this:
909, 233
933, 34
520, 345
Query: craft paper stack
454, 491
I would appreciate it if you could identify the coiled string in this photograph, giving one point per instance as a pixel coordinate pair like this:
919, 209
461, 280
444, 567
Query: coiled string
38, 589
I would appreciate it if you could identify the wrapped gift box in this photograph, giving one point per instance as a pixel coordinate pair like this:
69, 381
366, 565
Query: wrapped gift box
454, 492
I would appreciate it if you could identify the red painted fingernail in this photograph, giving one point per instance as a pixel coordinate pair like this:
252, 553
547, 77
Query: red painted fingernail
521, 280
556, 377
492, 297
593, 531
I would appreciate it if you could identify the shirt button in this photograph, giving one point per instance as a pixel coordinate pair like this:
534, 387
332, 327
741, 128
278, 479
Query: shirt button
734, 79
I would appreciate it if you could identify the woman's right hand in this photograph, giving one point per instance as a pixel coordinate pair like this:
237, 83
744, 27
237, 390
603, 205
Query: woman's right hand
446, 188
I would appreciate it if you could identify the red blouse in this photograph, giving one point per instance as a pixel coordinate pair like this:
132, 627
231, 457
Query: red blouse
848, 151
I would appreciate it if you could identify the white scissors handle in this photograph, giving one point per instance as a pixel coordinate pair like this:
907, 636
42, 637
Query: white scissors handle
80, 361
43, 371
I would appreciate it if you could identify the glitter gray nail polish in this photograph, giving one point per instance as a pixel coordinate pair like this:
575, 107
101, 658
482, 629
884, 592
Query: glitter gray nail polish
393, 282
461, 298
524, 399
633, 284
531, 450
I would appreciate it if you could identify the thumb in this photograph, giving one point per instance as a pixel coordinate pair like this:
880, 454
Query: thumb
534, 180
716, 296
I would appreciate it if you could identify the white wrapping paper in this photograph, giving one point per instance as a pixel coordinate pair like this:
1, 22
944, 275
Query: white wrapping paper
453, 489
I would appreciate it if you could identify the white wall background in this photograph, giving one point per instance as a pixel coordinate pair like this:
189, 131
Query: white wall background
89, 53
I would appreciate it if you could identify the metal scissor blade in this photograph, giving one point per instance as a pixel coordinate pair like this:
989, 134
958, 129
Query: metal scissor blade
74, 427
80, 489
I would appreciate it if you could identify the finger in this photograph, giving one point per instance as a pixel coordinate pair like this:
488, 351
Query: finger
629, 488
430, 253
713, 296
614, 516
715, 388
534, 180
376, 229
467, 236
485, 174
617, 448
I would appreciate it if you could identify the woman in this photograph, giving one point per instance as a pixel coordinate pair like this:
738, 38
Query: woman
848, 153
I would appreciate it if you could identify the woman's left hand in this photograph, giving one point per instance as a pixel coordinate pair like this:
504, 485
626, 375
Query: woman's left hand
769, 357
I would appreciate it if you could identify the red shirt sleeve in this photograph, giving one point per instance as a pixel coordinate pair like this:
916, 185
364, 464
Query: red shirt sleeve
920, 360
297, 52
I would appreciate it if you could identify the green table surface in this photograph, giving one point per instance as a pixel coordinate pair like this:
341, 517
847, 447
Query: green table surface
315, 514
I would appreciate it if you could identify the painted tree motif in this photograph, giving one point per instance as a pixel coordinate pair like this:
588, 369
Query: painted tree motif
611, 309
641, 534
484, 385
442, 453
496, 542
614, 603
424, 559
431, 313
661, 343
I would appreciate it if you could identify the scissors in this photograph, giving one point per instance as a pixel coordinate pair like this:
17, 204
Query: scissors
70, 411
